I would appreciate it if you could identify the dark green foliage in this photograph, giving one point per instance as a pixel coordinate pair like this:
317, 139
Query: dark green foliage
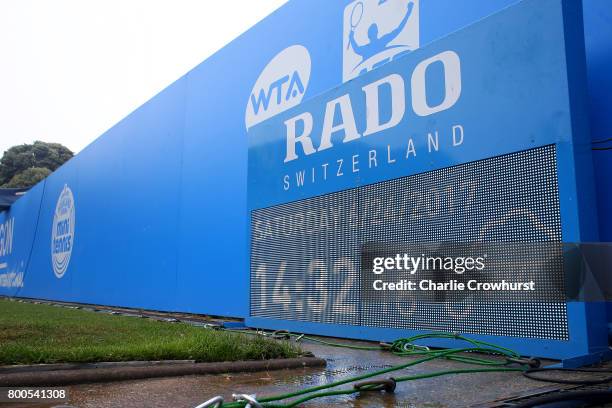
31, 158
28, 177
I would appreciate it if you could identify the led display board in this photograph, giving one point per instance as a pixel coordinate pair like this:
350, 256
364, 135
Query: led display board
306, 254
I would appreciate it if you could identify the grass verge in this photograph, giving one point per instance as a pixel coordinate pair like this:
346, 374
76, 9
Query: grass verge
36, 334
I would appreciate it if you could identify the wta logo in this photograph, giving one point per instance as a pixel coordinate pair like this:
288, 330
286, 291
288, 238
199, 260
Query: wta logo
280, 86
62, 235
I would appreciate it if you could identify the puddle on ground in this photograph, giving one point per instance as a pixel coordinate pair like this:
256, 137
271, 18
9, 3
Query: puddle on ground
190, 391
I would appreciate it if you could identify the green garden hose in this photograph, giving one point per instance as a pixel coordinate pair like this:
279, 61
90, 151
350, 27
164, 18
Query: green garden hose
400, 347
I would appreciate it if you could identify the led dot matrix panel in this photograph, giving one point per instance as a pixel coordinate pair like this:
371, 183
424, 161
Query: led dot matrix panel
305, 255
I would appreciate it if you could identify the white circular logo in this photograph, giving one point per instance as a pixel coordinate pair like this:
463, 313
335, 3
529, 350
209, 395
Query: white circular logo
62, 236
280, 86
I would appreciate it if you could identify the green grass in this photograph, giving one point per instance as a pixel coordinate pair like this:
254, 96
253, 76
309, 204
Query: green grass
35, 334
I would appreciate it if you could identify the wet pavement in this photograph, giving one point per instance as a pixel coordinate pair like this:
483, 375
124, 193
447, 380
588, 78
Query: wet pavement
189, 391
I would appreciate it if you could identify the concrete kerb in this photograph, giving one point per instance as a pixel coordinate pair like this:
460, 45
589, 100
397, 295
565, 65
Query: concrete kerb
105, 372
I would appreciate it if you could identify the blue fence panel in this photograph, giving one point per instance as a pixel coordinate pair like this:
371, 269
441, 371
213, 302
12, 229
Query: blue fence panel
159, 199
17, 231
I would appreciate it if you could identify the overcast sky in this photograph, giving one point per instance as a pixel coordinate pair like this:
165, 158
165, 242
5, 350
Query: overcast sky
71, 69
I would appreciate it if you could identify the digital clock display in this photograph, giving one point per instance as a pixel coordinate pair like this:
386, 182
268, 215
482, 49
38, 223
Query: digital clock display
306, 254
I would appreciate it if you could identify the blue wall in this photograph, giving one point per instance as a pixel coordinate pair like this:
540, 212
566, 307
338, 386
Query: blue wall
160, 198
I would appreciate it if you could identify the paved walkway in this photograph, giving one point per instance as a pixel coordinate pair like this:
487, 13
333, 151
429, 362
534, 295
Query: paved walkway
188, 392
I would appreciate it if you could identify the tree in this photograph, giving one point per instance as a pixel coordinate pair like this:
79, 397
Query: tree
28, 177
24, 165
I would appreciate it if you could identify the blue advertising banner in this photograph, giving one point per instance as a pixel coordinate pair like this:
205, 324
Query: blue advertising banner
479, 136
